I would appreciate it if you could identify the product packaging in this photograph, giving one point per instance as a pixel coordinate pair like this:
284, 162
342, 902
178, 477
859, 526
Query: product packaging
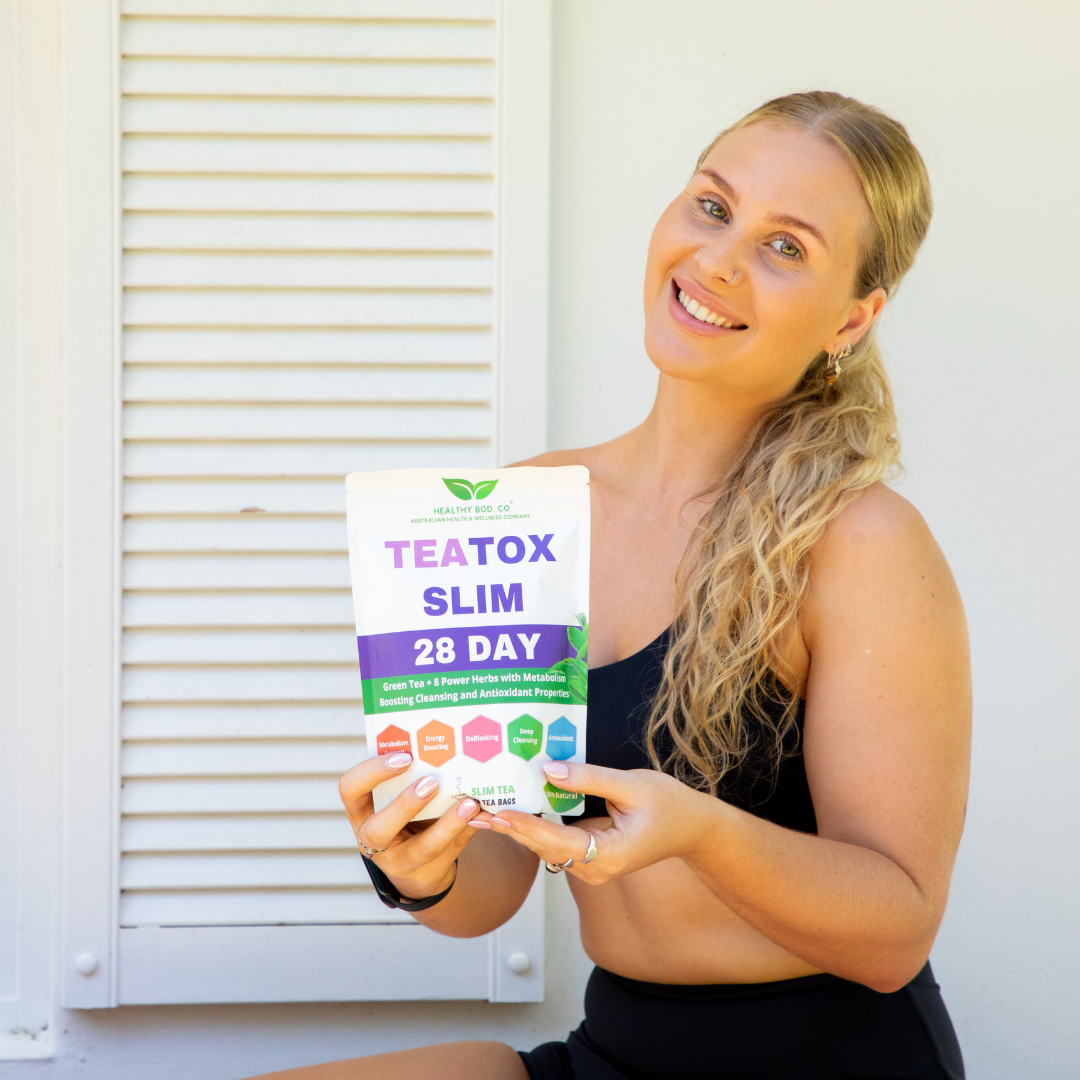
471, 593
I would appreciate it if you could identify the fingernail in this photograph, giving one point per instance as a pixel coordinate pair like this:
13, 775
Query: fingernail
426, 786
399, 761
466, 808
557, 770
479, 824
499, 821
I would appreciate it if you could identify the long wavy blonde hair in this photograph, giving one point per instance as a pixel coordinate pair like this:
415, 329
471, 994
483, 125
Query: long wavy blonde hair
745, 570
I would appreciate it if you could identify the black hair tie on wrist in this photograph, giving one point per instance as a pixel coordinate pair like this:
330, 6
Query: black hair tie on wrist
390, 896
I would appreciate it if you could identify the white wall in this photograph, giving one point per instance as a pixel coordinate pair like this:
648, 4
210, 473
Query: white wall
984, 363
986, 381
31, 542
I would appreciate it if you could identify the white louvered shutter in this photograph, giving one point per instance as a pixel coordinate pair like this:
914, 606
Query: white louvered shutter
309, 247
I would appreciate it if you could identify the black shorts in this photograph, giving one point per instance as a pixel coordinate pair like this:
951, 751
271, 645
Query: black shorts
816, 1027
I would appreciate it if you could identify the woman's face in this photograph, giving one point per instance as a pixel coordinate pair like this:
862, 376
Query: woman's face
766, 237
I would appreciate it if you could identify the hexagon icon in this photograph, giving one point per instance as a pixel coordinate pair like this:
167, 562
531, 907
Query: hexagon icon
435, 743
481, 738
393, 739
524, 736
562, 739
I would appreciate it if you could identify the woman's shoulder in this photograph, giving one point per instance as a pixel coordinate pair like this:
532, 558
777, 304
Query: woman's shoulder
880, 550
588, 456
877, 519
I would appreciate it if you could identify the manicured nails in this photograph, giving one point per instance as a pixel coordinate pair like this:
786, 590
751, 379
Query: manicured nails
479, 824
426, 787
466, 808
399, 761
557, 770
499, 821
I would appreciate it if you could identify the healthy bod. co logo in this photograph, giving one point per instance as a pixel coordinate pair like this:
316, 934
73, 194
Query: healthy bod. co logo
466, 492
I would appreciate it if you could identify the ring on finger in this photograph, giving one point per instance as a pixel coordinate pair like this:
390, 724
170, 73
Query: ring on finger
559, 867
369, 852
591, 853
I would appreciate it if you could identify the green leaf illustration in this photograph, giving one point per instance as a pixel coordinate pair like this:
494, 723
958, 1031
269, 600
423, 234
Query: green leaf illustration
577, 678
561, 801
563, 667
579, 691
485, 488
461, 489
579, 639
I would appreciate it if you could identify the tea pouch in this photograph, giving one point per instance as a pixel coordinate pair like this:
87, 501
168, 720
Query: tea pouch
471, 593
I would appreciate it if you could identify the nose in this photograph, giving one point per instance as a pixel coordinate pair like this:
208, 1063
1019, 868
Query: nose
719, 261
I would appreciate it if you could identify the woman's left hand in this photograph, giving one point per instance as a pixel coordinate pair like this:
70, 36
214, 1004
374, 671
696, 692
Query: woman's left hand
653, 817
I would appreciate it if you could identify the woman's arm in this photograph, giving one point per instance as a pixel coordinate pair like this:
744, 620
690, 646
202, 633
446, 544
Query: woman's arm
886, 745
494, 878
490, 876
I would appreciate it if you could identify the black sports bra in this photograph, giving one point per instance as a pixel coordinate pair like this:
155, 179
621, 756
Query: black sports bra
620, 695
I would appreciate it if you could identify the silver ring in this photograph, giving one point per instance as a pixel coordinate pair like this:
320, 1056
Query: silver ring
558, 867
591, 853
370, 852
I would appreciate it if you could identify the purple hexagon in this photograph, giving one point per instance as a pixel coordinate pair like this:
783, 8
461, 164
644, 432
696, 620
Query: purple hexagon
481, 738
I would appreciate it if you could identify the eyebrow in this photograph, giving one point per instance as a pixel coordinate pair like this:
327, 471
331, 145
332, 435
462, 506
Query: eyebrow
778, 219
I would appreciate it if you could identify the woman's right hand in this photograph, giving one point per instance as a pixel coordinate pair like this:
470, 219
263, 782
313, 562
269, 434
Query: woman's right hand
418, 857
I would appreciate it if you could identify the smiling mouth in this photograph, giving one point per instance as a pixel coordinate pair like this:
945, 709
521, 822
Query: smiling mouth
704, 314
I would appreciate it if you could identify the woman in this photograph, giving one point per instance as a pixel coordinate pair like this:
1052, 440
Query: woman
785, 765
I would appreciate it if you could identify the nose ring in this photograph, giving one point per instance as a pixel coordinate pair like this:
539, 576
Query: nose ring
734, 273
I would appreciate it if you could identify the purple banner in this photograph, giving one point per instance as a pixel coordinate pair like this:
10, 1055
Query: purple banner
420, 652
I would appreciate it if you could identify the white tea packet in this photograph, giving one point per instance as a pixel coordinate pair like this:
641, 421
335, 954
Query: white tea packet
471, 593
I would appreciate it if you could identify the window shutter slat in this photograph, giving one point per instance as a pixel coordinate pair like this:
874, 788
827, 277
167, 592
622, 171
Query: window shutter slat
317, 9
300, 79
254, 155
356, 39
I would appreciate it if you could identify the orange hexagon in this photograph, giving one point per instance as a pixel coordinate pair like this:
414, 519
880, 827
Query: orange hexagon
393, 739
435, 743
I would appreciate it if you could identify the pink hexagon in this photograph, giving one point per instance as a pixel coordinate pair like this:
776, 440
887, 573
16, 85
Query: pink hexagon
481, 738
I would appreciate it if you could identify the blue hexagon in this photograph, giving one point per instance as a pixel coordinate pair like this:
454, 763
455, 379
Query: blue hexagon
562, 739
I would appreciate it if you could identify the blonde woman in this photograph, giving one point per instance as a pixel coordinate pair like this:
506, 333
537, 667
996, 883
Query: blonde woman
779, 702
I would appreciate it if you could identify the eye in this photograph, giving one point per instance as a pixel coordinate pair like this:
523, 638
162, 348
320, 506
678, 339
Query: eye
715, 210
786, 247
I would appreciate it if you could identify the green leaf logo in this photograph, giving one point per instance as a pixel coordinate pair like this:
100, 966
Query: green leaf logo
461, 489
466, 492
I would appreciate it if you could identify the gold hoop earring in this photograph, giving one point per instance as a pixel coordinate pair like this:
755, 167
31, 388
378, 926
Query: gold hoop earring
833, 368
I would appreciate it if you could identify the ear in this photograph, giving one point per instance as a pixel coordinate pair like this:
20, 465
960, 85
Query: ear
861, 317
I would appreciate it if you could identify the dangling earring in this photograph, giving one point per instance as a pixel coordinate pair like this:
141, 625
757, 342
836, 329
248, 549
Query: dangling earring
832, 368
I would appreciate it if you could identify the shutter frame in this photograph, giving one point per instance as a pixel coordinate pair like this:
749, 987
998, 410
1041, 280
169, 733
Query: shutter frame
89, 850
148, 965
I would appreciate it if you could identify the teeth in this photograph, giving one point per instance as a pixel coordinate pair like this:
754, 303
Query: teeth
700, 311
